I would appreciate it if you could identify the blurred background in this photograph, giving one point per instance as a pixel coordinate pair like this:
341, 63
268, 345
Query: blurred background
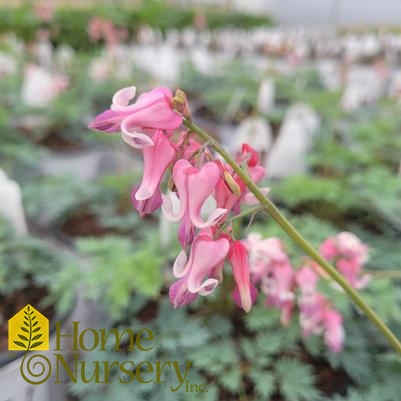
314, 85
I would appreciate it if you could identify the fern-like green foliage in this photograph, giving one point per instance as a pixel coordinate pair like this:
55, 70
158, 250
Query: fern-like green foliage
118, 267
27, 261
328, 194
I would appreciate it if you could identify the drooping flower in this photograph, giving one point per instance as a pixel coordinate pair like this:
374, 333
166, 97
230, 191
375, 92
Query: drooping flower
156, 160
245, 293
200, 272
194, 186
333, 330
265, 254
278, 285
231, 190
306, 280
349, 254
271, 267
152, 111
316, 315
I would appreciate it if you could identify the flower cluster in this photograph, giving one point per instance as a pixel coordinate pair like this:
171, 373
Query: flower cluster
198, 181
203, 193
287, 288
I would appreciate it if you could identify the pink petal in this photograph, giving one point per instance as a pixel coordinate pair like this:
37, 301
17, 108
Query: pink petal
135, 139
147, 206
179, 294
156, 160
238, 257
121, 99
181, 267
108, 121
205, 254
201, 184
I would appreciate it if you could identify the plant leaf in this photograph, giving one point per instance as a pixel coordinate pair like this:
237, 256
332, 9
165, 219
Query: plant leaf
22, 337
35, 330
36, 344
34, 324
20, 344
36, 337
24, 329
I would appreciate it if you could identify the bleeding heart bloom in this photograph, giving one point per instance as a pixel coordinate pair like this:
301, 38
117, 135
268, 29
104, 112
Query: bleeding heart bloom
252, 159
307, 281
225, 195
265, 255
245, 293
333, 330
311, 314
278, 285
156, 160
200, 273
350, 254
194, 185
153, 110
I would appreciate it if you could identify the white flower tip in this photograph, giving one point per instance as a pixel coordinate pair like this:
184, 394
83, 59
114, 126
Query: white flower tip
143, 193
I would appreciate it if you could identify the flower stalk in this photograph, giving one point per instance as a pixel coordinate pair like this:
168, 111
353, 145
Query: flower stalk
298, 238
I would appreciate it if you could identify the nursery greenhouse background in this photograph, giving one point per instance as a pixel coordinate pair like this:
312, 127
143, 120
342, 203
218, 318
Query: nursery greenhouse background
139, 261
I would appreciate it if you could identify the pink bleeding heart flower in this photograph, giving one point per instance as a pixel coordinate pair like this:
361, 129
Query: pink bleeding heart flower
311, 314
200, 272
349, 254
225, 197
153, 110
194, 186
333, 330
251, 157
278, 285
265, 254
156, 160
307, 281
245, 293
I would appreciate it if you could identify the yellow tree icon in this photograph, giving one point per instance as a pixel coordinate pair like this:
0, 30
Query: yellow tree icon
28, 330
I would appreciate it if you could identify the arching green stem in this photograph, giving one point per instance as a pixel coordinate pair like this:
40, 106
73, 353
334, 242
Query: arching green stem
298, 238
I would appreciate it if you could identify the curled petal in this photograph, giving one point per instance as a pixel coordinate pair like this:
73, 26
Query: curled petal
180, 267
168, 202
207, 287
122, 98
135, 139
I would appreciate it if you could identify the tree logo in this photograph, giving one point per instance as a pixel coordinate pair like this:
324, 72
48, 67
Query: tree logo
28, 330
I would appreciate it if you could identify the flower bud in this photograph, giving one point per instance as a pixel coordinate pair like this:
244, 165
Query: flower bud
232, 184
180, 104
